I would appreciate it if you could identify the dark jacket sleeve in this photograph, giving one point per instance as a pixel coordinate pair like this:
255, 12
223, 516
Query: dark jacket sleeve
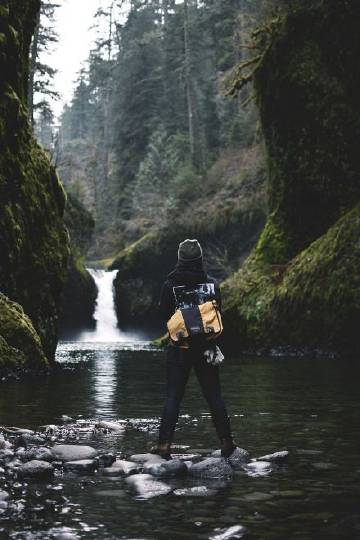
167, 302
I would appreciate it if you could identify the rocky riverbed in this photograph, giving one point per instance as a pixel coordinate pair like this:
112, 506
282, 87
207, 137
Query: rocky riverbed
35, 463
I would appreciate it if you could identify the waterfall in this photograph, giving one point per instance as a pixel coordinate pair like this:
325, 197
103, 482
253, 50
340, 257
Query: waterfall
105, 315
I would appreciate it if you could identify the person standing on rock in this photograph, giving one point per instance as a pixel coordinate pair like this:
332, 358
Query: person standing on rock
189, 274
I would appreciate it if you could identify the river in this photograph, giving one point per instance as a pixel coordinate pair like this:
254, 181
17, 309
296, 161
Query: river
306, 406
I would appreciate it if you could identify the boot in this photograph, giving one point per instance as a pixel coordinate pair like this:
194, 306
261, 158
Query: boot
227, 446
162, 450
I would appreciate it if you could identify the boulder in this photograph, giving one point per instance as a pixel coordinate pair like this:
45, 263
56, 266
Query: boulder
41, 454
3, 495
212, 467
112, 426
171, 468
36, 469
149, 458
147, 487
73, 452
276, 457
82, 465
258, 468
196, 491
107, 460
122, 467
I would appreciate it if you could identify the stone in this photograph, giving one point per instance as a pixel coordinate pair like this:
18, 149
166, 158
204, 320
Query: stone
237, 458
3, 495
2, 442
258, 468
73, 452
112, 426
106, 460
236, 531
171, 468
196, 491
276, 457
122, 467
143, 458
28, 439
212, 467
6, 455
82, 465
36, 469
41, 453
147, 487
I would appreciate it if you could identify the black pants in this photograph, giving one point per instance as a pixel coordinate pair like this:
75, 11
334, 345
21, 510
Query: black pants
178, 367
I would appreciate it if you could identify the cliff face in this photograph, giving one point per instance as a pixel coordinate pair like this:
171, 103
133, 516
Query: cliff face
80, 292
300, 285
34, 243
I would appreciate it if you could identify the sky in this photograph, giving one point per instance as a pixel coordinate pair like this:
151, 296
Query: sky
73, 22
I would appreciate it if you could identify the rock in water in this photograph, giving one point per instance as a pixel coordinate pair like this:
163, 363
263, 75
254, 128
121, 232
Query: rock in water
237, 458
36, 469
211, 468
112, 426
3, 495
143, 458
258, 468
171, 468
2, 442
196, 491
276, 457
41, 454
147, 487
73, 452
236, 531
107, 460
82, 465
122, 468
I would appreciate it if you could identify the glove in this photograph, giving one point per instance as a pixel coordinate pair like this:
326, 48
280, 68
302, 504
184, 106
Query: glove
214, 356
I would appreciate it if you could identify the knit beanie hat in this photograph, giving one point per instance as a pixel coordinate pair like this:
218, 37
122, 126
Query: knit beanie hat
189, 250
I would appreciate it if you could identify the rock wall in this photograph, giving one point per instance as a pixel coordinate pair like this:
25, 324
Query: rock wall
300, 286
34, 243
80, 292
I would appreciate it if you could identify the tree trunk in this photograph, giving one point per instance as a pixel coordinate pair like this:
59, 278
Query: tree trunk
32, 69
188, 82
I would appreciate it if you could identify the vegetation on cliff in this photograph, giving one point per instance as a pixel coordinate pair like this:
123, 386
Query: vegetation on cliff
300, 286
80, 292
34, 242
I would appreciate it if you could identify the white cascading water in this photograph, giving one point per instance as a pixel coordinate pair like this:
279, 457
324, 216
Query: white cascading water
105, 315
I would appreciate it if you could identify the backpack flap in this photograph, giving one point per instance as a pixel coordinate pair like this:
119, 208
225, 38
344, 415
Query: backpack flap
211, 319
177, 327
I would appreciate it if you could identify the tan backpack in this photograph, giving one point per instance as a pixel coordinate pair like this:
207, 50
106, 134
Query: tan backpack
203, 320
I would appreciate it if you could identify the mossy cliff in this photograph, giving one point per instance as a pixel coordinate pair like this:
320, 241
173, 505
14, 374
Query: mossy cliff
34, 243
300, 286
226, 217
80, 292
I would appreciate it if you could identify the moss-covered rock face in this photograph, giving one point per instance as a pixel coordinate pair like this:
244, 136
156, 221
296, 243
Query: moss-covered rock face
20, 345
80, 292
33, 239
227, 220
300, 286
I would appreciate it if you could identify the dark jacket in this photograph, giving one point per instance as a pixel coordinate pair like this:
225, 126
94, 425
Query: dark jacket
185, 273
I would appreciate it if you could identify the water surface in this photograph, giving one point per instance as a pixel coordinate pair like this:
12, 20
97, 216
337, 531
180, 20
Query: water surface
309, 407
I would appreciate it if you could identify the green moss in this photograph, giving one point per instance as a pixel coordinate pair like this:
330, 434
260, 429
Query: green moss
34, 243
18, 333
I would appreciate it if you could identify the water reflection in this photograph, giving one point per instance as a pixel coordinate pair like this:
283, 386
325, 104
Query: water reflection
105, 374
